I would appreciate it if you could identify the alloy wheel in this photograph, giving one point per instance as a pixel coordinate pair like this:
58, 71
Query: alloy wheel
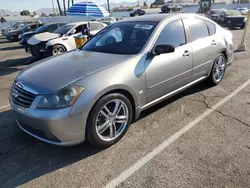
112, 120
219, 69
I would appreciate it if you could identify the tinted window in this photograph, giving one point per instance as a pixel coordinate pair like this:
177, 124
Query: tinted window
211, 27
52, 28
33, 27
173, 33
79, 29
121, 38
198, 29
95, 26
42, 29
64, 29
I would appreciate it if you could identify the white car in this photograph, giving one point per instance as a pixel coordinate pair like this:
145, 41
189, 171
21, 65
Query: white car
60, 41
243, 11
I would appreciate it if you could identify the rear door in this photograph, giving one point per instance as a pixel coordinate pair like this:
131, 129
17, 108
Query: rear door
202, 45
168, 72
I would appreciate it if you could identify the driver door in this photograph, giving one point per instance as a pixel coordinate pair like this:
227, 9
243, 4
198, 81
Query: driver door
168, 72
70, 38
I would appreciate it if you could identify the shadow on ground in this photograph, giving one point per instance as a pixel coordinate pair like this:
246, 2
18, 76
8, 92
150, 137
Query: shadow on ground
26, 158
11, 65
11, 48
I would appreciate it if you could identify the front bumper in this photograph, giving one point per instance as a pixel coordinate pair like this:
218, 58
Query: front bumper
53, 126
38, 51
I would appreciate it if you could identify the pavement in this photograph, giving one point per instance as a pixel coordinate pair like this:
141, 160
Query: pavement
199, 138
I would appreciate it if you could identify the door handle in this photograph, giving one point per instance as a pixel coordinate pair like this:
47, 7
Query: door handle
186, 53
213, 43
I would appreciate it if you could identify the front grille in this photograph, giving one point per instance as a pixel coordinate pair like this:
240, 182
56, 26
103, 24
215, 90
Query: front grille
22, 97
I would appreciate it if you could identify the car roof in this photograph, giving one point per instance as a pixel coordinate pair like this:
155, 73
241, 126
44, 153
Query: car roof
54, 23
150, 18
78, 23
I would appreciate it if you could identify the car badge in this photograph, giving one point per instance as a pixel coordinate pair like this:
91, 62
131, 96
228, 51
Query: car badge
19, 84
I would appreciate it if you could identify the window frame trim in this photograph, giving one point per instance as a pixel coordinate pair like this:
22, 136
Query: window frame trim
164, 25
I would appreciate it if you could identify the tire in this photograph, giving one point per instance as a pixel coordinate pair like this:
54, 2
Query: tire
99, 135
242, 27
58, 50
214, 71
230, 27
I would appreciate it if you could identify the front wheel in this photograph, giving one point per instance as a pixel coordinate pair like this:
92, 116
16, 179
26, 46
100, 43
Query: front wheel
242, 27
109, 120
218, 70
57, 50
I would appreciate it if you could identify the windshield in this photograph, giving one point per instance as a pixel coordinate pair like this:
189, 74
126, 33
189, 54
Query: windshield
64, 29
42, 29
121, 38
232, 13
24, 28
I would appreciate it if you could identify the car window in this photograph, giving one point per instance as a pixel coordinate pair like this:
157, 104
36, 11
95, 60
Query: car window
211, 27
95, 26
64, 29
198, 29
79, 29
173, 33
52, 28
33, 27
121, 38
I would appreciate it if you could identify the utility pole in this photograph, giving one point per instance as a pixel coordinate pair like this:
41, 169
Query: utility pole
53, 7
108, 6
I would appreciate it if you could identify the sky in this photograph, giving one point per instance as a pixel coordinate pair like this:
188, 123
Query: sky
32, 5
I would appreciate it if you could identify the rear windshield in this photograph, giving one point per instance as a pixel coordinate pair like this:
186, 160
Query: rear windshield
42, 29
121, 38
64, 29
233, 13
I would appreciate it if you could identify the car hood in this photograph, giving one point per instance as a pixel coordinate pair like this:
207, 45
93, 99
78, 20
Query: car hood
29, 33
51, 75
42, 37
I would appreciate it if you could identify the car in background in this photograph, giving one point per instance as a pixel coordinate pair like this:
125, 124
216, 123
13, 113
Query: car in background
97, 91
13, 34
60, 41
231, 19
19, 25
214, 13
243, 11
107, 20
50, 27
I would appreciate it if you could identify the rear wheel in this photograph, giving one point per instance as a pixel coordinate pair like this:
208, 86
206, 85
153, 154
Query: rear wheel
57, 50
109, 120
218, 70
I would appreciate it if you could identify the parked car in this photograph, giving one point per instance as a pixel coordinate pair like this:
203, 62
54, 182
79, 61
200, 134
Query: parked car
13, 34
171, 8
60, 41
107, 20
51, 27
243, 11
19, 25
95, 92
214, 13
231, 19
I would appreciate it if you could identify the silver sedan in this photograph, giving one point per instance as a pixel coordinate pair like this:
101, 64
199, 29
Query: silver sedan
95, 92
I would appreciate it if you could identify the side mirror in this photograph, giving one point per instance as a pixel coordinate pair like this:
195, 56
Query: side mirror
163, 49
72, 32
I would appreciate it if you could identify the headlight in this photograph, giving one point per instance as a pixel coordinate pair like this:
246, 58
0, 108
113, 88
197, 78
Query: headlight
63, 98
245, 19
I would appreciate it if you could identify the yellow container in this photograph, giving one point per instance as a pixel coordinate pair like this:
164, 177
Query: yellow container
80, 40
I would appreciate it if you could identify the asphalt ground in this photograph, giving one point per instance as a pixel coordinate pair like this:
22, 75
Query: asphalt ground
199, 138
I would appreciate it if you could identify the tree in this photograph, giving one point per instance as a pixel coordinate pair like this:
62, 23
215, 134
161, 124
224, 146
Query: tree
59, 7
43, 15
64, 7
52, 15
25, 13
34, 13
68, 4
72, 2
